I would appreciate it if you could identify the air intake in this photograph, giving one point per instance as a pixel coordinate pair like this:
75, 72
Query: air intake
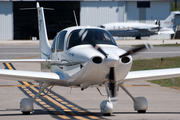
97, 60
125, 59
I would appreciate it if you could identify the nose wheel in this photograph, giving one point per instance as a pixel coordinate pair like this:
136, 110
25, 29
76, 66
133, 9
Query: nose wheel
106, 106
26, 113
141, 111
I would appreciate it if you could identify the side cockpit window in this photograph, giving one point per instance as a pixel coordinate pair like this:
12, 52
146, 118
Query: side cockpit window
60, 41
53, 45
73, 39
102, 26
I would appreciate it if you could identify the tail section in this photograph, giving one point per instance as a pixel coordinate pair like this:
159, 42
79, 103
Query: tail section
172, 20
43, 39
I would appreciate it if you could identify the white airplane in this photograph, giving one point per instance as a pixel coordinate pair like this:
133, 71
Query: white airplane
138, 30
76, 56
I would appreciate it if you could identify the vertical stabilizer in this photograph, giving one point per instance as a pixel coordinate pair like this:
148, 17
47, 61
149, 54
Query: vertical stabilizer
168, 23
172, 20
43, 39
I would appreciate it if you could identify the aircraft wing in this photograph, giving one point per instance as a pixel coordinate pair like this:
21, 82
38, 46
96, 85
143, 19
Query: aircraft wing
145, 29
155, 29
153, 74
25, 60
166, 32
44, 61
31, 76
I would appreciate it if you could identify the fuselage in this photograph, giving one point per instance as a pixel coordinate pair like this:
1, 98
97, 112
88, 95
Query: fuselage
76, 57
130, 29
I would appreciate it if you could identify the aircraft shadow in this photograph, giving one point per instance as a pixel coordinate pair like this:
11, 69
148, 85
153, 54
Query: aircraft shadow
36, 112
71, 114
52, 113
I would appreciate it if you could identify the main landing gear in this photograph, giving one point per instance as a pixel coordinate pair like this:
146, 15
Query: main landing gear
140, 103
138, 38
26, 104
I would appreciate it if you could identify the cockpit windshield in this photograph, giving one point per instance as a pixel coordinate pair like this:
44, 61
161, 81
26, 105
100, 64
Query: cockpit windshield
85, 36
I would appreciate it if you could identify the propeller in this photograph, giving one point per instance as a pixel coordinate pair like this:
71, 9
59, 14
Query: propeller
92, 42
112, 82
134, 50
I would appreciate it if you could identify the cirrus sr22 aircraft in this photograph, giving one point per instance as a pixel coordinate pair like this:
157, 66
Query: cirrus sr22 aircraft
76, 56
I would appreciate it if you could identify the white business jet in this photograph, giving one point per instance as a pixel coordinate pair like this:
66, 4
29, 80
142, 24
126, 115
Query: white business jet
76, 56
138, 30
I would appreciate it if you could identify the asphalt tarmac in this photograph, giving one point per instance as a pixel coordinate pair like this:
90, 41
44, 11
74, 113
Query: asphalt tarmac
66, 103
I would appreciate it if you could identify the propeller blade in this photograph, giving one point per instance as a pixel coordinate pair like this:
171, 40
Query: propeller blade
112, 81
83, 33
134, 50
98, 48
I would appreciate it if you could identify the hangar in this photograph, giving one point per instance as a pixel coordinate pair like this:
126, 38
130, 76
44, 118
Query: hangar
17, 24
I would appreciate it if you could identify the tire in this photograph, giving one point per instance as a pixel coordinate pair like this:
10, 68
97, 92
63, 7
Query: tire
107, 114
141, 111
26, 113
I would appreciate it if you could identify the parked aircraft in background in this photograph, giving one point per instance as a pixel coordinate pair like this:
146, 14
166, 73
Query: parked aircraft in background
84, 56
138, 30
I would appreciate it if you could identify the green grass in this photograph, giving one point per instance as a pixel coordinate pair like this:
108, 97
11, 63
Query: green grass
168, 83
148, 64
173, 62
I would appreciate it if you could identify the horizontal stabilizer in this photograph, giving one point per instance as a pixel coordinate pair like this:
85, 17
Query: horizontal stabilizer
35, 8
166, 32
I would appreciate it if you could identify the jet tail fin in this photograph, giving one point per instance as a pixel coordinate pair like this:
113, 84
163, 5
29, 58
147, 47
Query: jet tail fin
172, 20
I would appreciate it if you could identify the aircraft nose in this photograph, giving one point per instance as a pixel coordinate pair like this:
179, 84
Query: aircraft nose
112, 60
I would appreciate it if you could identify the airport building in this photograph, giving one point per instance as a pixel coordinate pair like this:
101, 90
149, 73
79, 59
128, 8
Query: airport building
18, 24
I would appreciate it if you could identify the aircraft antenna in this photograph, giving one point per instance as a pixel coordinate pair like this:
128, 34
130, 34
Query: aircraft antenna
75, 18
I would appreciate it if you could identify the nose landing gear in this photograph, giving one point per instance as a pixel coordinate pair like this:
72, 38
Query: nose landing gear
106, 106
